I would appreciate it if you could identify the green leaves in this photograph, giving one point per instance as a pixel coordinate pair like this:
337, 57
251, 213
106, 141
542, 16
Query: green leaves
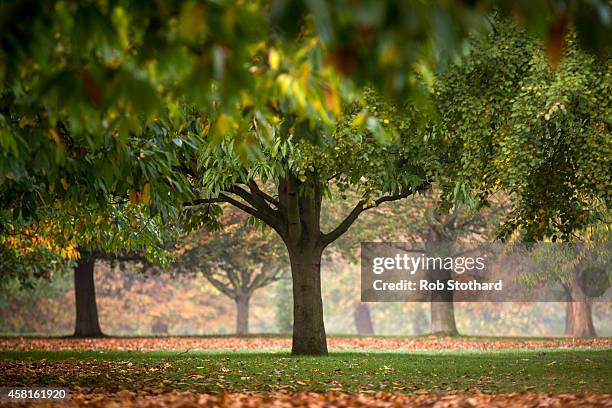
540, 133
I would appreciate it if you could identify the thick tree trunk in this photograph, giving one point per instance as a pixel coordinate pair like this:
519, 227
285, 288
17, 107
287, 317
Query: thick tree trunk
578, 320
443, 319
578, 317
242, 315
442, 306
87, 324
308, 328
363, 319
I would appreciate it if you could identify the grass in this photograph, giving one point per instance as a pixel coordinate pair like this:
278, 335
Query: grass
549, 370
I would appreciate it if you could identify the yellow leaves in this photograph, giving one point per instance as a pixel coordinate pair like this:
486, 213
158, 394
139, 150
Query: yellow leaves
146, 194
64, 183
298, 94
223, 124
284, 82
70, 251
273, 59
360, 120
245, 99
304, 73
24, 121
45, 235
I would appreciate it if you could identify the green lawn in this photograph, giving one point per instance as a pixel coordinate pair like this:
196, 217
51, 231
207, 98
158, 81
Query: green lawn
550, 370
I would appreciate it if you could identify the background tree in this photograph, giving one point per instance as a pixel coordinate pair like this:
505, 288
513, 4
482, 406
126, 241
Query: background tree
237, 260
547, 134
79, 239
581, 268
420, 223
540, 133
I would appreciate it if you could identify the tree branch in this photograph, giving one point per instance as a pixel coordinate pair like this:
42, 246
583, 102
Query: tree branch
361, 207
223, 198
257, 192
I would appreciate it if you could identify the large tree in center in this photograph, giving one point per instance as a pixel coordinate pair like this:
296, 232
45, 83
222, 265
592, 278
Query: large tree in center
285, 186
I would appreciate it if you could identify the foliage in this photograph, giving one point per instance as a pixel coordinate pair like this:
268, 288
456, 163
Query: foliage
374, 159
511, 121
567, 263
83, 83
33, 252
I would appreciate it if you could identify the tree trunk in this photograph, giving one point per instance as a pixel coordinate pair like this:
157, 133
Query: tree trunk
242, 315
363, 319
308, 328
442, 307
578, 317
87, 324
443, 318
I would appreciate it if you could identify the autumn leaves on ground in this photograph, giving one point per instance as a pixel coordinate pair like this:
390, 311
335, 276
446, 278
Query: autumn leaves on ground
363, 371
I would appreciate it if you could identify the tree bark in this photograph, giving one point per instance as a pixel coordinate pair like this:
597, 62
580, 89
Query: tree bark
578, 320
242, 315
441, 305
443, 318
578, 317
308, 327
363, 319
87, 324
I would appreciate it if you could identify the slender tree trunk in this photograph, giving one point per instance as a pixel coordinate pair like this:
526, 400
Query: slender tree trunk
363, 319
308, 328
242, 315
578, 317
87, 324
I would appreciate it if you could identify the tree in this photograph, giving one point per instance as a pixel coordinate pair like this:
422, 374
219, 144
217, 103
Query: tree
581, 269
301, 173
127, 233
538, 132
546, 134
237, 260
427, 228
78, 240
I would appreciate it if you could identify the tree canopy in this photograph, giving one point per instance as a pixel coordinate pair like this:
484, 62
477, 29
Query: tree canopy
84, 83
510, 121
